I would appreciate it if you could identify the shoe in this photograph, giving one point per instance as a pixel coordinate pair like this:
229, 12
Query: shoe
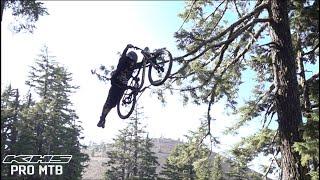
101, 122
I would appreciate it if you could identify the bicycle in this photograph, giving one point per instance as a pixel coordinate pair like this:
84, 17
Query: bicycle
159, 63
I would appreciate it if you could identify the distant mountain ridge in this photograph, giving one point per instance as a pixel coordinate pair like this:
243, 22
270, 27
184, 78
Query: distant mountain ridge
162, 147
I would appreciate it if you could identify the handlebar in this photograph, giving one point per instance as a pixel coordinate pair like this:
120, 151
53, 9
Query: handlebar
146, 49
135, 47
143, 51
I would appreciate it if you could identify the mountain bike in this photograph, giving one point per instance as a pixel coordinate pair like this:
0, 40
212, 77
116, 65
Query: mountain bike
159, 63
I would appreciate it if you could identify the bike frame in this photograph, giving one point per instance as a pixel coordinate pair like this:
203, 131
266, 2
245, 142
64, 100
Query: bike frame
146, 62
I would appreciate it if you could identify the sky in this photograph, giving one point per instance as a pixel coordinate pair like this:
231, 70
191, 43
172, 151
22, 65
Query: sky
82, 35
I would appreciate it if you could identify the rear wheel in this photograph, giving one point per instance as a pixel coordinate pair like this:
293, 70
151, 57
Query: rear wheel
128, 100
160, 72
126, 104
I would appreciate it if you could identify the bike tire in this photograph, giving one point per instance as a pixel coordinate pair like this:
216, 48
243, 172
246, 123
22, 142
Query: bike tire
132, 104
167, 73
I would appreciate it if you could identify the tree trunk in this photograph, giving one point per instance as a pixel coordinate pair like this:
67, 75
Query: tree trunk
135, 155
14, 131
287, 98
2, 7
302, 77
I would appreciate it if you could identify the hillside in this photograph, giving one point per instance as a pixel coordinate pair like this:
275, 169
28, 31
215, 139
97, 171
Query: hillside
162, 148
97, 153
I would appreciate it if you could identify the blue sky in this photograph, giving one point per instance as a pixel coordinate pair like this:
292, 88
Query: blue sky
82, 35
82, 41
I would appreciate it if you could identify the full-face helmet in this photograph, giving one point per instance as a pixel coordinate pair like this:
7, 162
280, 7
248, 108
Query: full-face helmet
132, 55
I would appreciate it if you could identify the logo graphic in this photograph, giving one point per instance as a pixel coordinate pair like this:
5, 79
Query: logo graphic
47, 164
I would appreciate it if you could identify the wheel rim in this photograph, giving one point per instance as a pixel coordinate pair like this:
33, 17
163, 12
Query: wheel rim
160, 73
126, 104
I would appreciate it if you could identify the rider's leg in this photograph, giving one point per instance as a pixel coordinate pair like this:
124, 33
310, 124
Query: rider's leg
111, 102
105, 111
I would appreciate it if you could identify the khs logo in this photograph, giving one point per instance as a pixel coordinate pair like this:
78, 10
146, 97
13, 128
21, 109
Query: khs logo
29, 159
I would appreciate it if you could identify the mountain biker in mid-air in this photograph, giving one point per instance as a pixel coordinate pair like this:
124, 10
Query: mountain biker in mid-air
119, 79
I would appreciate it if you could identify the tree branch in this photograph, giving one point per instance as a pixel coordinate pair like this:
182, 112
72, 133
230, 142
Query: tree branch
223, 50
232, 26
312, 78
268, 169
185, 20
246, 49
233, 37
214, 12
224, 11
311, 51
218, 64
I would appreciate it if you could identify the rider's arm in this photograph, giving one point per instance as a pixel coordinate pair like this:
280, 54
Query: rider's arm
121, 66
122, 63
138, 65
126, 49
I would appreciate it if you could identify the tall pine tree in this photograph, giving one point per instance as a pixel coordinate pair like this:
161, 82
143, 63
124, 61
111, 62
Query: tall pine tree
191, 160
10, 106
148, 160
57, 129
46, 123
258, 41
131, 156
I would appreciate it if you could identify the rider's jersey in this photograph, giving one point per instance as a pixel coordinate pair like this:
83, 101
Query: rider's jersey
124, 71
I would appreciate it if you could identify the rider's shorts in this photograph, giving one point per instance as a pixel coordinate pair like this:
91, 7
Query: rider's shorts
115, 93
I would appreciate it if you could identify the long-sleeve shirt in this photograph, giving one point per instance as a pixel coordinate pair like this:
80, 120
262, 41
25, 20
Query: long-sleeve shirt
124, 69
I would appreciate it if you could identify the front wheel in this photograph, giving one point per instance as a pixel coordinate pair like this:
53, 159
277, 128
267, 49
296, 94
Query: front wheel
126, 104
161, 68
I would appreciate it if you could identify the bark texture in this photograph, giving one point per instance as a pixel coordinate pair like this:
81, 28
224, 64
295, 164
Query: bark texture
287, 97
